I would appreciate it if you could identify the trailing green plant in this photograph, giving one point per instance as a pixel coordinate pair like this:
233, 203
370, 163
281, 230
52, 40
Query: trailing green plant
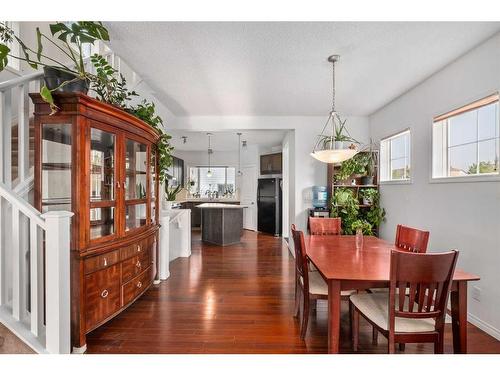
364, 225
146, 111
108, 87
369, 194
346, 206
353, 166
370, 158
68, 39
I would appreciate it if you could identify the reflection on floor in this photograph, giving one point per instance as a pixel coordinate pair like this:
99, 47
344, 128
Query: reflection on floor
236, 299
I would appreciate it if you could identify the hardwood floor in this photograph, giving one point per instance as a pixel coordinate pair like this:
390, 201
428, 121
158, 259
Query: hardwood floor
237, 299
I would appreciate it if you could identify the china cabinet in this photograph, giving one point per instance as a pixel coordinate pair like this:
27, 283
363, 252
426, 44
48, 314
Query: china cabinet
99, 162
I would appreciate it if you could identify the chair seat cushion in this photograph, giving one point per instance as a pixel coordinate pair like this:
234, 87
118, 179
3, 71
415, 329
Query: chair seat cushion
376, 308
317, 285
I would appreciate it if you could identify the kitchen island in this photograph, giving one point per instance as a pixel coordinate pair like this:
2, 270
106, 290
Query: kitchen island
221, 224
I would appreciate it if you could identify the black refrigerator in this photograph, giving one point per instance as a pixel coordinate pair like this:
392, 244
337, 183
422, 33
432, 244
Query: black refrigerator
269, 208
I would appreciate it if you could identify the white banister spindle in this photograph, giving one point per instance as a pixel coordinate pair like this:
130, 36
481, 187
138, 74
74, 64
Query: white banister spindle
23, 132
57, 280
36, 282
16, 266
6, 130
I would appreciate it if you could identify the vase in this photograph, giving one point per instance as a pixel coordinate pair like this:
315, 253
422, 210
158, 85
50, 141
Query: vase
359, 239
168, 205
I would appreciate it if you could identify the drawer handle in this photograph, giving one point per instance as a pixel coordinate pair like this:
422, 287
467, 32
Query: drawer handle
104, 293
138, 264
139, 285
105, 262
138, 248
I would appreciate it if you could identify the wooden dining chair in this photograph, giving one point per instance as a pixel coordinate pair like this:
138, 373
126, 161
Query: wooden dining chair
411, 239
309, 284
325, 225
417, 316
407, 239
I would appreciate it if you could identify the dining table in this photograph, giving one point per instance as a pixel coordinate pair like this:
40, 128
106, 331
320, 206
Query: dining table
345, 267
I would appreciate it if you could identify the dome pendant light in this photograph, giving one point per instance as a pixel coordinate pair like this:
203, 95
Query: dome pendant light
333, 150
210, 151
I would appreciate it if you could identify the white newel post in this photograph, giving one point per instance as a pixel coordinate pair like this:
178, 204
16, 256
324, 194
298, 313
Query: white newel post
57, 281
164, 253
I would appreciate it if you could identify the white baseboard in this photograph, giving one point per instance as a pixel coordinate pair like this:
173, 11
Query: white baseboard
483, 326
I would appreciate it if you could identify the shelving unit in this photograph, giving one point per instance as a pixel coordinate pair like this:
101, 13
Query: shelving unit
331, 186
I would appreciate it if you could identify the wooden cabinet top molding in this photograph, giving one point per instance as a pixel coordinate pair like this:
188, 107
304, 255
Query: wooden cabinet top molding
83, 105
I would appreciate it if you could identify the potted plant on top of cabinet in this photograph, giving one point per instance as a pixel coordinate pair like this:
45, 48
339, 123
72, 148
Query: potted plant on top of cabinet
60, 75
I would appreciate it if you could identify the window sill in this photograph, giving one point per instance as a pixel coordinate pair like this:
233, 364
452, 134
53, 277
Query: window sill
465, 179
397, 182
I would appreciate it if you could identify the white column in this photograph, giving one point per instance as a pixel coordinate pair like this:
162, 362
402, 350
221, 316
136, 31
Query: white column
164, 246
57, 281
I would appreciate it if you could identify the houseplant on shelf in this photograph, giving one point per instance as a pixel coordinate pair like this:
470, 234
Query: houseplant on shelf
368, 196
69, 75
346, 206
370, 160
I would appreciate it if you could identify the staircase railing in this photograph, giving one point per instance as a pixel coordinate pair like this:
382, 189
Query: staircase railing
35, 274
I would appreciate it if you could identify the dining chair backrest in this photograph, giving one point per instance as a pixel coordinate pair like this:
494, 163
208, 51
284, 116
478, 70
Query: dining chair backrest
325, 225
301, 268
420, 284
411, 239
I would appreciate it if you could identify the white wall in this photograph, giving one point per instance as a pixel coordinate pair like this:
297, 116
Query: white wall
307, 171
463, 216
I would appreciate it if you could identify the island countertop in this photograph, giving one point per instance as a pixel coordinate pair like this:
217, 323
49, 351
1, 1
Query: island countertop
220, 205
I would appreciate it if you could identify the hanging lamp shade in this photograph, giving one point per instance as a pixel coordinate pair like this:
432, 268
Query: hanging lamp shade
336, 146
334, 156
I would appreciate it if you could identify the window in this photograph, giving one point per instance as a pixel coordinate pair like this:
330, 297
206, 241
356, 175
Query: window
395, 157
465, 141
221, 181
14, 46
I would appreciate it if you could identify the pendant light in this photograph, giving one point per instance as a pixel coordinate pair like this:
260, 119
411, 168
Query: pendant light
239, 154
210, 151
333, 150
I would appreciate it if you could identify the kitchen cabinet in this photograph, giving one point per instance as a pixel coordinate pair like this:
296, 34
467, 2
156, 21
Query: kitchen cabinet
271, 163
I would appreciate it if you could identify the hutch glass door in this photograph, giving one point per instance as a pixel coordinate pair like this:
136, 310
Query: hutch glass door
136, 184
56, 167
102, 183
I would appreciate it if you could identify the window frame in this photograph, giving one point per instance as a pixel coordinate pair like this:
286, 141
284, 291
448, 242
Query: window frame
391, 181
483, 177
212, 167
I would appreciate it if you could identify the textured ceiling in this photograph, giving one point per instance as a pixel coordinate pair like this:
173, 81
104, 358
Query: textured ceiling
224, 140
280, 68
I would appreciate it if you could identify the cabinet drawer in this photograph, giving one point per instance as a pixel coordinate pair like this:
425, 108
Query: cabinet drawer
101, 261
137, 285
132, 267
137, 248
102, 295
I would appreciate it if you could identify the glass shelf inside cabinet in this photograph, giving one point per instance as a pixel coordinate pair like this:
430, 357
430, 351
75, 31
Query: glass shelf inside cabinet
135, 170
135, 216
56, 167
102, 165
